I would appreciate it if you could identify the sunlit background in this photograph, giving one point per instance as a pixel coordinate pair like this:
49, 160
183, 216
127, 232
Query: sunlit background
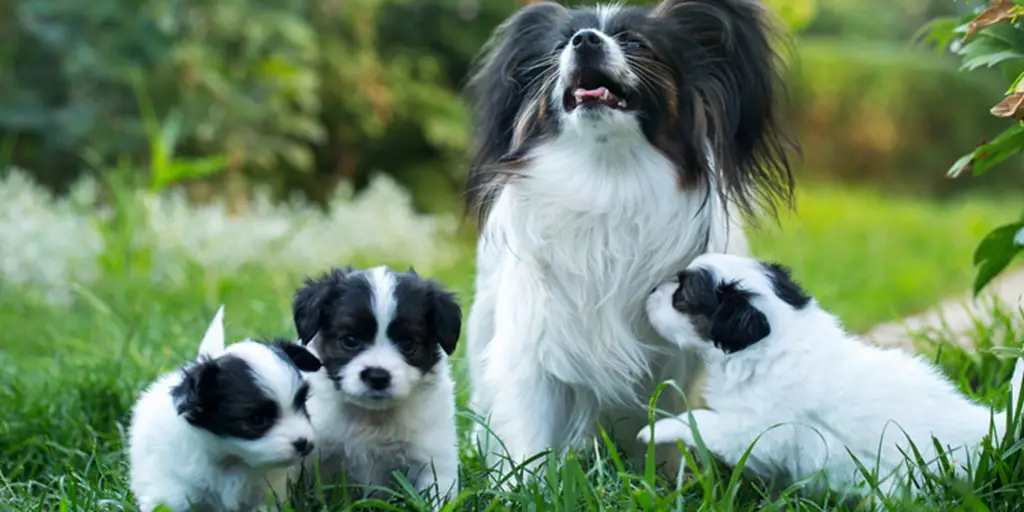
158, 159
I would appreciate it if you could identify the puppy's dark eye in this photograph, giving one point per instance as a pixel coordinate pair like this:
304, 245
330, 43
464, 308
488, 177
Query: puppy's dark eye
350, 343
301, 397
409, 349
258, 420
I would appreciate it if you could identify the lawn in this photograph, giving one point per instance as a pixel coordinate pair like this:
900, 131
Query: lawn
76, 350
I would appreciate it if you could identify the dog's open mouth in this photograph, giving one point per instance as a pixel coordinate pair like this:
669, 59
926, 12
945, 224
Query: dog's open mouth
593, 89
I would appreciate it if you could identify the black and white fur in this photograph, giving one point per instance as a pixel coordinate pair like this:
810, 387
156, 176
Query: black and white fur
384, 400
226, 430
611, 141
780, 367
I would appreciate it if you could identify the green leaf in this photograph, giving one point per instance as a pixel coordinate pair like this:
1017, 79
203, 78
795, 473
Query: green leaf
996, 44
995, 252
987, 156
960, 165
990, 59
938, 33
1016, 82
189, 169
1007, 33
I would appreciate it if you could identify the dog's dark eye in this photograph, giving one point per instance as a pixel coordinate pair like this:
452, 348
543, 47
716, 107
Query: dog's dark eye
258, 420
350, 342
632, 42
409, 349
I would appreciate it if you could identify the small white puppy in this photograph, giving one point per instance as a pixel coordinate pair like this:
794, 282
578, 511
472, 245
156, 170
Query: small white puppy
384, 400
776, 359
223, 431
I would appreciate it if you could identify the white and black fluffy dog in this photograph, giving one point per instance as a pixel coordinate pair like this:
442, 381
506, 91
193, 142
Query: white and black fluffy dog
776, 359
226, 430
611, 141
384, 400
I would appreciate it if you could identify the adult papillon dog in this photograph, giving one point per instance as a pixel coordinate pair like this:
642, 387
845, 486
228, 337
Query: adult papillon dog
615, 144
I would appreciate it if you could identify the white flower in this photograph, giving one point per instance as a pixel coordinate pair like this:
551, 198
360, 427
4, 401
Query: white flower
1018, 239
46, 244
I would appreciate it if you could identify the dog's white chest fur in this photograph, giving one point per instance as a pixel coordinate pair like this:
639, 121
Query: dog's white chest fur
580, 249
557, 336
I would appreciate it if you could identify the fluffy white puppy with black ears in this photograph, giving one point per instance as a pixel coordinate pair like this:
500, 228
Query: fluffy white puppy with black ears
384, 400
225, 431
776, 359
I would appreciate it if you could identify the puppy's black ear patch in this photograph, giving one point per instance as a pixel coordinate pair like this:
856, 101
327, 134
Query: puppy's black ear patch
310, 301
303, 359
697, 293
785, 287
737, 324
445, 318
412, 271
192, 397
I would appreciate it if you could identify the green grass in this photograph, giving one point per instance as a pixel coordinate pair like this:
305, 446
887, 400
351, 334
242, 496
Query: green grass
68, 376
871, 258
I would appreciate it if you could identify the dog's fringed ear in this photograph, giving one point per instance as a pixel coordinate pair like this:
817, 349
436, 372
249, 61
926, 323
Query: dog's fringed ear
192, 397
302, 359
446, 318
737, 324
213, 341
736, 76
310, 301
511, 66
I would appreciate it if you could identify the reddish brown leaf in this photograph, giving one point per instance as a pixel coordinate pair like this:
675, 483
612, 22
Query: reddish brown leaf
1001, 10
1011, 107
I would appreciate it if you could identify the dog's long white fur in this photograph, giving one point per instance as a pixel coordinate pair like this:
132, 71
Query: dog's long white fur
809, 391
557, 337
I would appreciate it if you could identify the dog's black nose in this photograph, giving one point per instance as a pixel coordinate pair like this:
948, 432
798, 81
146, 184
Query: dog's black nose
376, 378
587, 40
303, 446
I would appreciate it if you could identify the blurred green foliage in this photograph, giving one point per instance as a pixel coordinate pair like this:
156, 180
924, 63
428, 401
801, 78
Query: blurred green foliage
293, 93
302, 94
991, 36
890, 115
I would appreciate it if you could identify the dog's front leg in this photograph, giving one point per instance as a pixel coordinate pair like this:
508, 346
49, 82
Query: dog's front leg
527, 416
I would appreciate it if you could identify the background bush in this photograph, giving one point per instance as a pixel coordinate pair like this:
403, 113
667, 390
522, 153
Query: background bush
883, 113
303, 94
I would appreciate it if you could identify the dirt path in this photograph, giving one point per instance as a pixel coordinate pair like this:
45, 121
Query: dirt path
957, 315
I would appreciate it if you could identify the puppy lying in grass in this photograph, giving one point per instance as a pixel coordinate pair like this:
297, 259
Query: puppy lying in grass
223, 432
785, 377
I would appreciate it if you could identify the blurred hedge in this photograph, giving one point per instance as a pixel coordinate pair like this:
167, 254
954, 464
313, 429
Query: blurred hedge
300, 94
296, 93
891, 115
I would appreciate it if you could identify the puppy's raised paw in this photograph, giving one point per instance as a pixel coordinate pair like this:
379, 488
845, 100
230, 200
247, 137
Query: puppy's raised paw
668, 430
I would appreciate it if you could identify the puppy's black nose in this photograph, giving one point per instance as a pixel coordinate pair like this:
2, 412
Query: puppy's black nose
303, 446
587, 40
376, 378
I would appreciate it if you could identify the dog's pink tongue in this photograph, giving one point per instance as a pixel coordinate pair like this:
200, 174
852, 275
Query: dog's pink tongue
597, 94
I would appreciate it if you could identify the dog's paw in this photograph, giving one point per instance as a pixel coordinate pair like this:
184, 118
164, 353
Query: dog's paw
668, 430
